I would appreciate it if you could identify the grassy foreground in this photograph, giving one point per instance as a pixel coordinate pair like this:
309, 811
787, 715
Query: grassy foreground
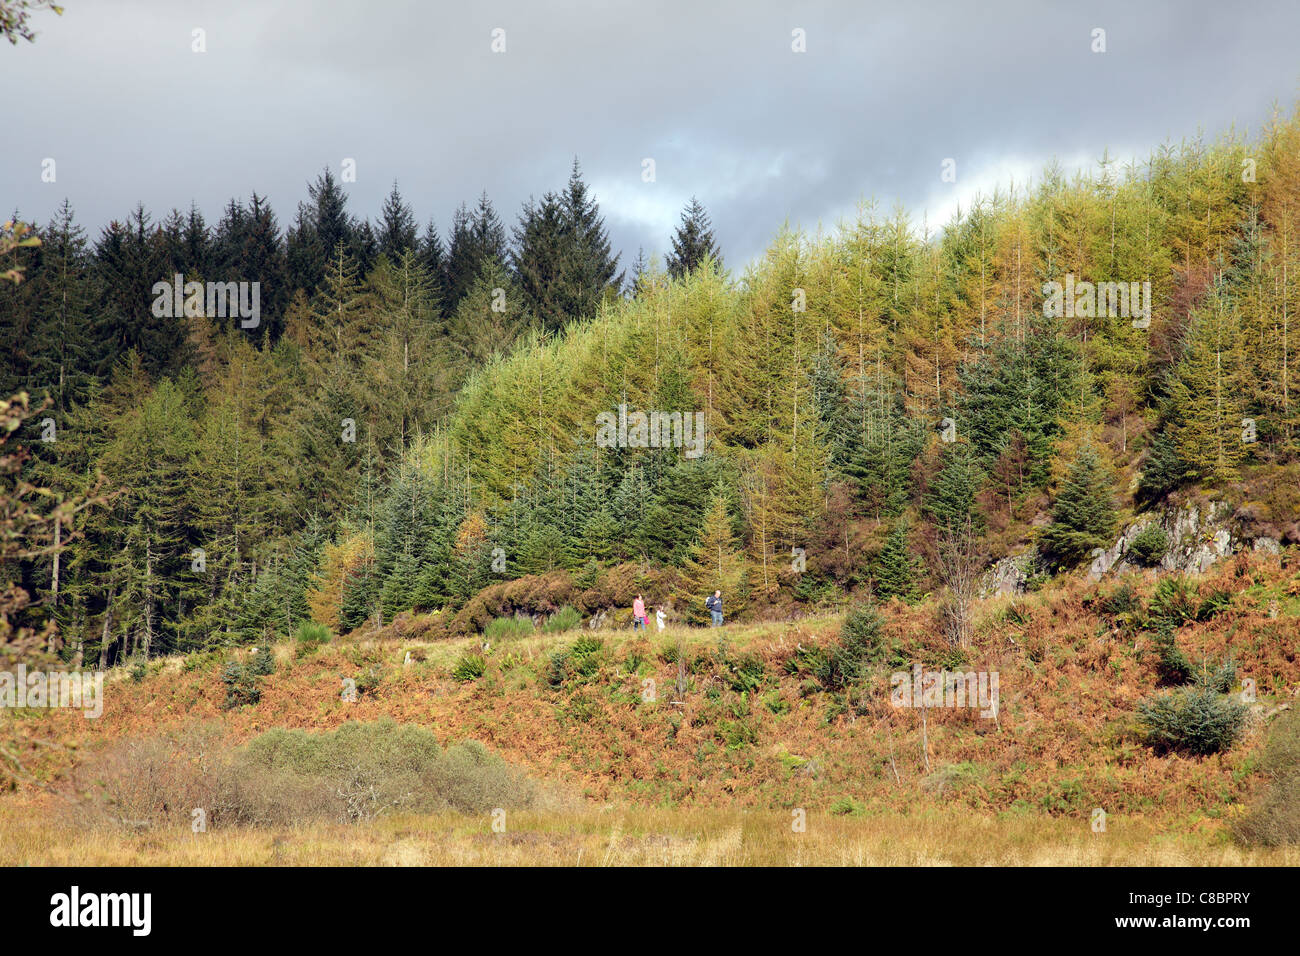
638, 837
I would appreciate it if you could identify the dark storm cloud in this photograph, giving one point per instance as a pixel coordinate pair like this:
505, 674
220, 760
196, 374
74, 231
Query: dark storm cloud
711, 91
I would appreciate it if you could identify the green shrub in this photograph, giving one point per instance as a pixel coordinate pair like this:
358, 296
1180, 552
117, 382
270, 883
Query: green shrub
368, 680
578, 662
505, 628
366, 770
198, 662
263, 662
1173, 667
847, 807
1150, 545
1217, 602
241, 686
1122, 600
310, 634
862, 644
1173, 604
470, 667
1191, 720
746, 673
738, 733
139, 671
1218, 678
565, 619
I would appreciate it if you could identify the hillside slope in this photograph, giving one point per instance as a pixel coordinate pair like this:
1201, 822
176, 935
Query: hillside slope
752, 724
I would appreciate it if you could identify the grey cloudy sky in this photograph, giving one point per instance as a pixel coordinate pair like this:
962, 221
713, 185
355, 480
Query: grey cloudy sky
710, 90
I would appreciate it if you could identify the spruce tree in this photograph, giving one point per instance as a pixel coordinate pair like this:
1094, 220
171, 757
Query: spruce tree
61, 344
476, 240
397, 227
1083, 515
951, 498
542, 260
591, 269
693, 241
896, 570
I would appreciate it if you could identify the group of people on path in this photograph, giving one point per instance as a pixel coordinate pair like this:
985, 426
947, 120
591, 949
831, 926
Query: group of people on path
713, 602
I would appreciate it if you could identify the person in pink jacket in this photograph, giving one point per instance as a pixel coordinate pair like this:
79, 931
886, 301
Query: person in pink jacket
638, 613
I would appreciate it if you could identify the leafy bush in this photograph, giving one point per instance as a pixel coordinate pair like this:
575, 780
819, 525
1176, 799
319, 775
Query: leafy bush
310, 635
504, 628
241, 686
469, 667
139, 671
1122, 600
1150, 545
1217, 602
1191, 720
1173, 604
384, 765
565, 619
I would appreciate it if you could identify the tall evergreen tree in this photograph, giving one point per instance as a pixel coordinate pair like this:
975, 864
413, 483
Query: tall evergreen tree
1083, 515
693, 241
61, 348
397, 226
896, 570
476, 240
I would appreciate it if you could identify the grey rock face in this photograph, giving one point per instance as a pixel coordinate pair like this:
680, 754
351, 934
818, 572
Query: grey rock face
1200, 535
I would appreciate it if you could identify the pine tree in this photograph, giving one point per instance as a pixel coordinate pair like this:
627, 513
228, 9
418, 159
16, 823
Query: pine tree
950, 502
152, 460
830, 402
322, 223
476, 240
61, 345
542, 260
896, 570
488, 319
1083, 515
591, 271
693, 243
433, 259
397, 227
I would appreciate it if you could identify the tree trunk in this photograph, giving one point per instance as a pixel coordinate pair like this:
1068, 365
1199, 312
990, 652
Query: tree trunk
108, 627
54, 576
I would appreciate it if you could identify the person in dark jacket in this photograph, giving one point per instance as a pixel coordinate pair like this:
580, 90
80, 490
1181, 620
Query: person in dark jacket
714, 603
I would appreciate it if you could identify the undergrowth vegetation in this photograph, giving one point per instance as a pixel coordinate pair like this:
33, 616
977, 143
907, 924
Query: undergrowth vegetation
285, 777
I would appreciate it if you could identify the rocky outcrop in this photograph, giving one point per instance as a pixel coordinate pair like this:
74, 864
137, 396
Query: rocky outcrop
1200, 534
1007, 576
